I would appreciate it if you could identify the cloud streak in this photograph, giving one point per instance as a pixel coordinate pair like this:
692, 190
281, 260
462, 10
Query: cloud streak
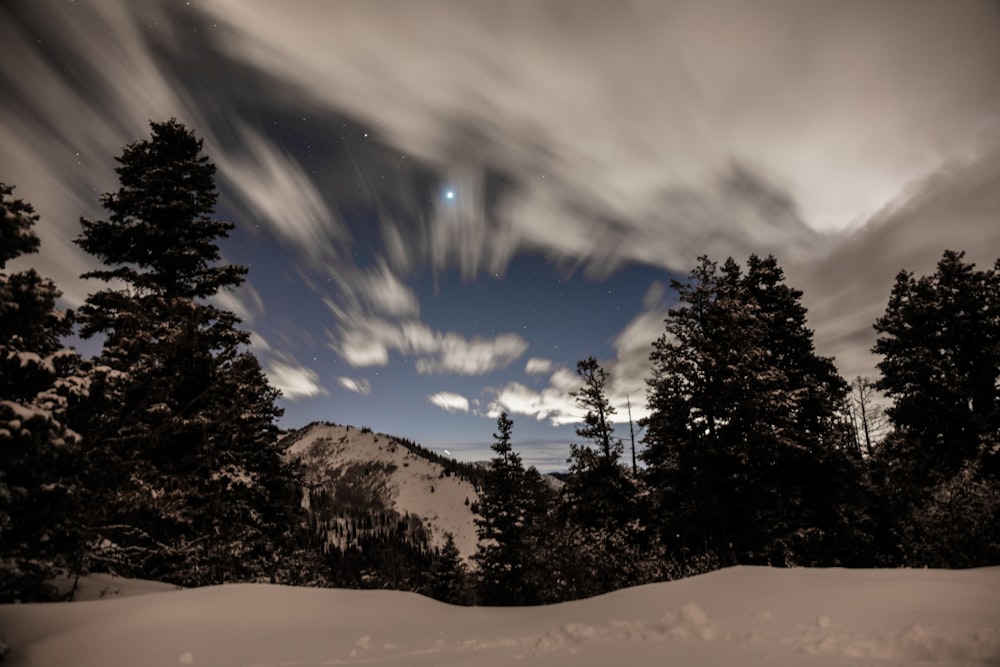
449, 402
295, 381
367, 341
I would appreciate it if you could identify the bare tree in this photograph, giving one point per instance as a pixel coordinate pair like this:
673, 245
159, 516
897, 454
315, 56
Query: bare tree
868, 416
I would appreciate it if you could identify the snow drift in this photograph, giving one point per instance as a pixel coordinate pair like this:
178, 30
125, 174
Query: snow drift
739, 616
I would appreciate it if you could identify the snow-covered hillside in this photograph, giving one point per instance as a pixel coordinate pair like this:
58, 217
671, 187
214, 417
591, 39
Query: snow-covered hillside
409, 483
736, 617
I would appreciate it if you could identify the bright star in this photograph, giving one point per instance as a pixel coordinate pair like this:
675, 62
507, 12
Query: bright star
450, 194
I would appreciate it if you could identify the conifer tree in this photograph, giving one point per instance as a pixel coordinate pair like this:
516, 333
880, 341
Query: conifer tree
500, 521
600, 491
184, 418
39, 379
744, 445
512, 523
940, 345
448, 578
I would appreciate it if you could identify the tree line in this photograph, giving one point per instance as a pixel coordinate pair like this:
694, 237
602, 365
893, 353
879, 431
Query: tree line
757, 452
160, 457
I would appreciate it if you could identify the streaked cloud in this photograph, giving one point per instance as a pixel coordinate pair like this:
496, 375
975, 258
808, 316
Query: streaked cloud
368, 341
271, 185
536, 365
357, 385
957, 208
294, 380
591, 160
244, 300
388, 295
259, 343
551, 404
449, 402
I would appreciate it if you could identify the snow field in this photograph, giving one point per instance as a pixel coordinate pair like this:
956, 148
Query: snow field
734, 617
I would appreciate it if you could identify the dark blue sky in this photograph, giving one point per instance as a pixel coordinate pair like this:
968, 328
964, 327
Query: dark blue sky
593, 151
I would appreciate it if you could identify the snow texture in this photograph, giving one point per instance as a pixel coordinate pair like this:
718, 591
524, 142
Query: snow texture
739, 616
415, 484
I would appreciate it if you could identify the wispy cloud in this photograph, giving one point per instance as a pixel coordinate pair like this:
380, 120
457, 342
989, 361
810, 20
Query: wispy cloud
356, 385
367, 341
259, 343
272, 185
552, 404
388, 295
628, 369
294, 380
449, 402
721, 150
245, 301
538, 366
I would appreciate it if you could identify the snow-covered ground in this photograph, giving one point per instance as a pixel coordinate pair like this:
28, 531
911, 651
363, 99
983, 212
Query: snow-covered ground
735, 617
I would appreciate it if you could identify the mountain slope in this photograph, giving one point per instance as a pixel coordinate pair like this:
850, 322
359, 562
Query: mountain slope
361, 467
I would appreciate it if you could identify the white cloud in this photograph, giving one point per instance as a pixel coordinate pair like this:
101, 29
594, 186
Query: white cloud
244, 300
367, 341
356, 385
847, 290
258, 342
274, 187
453, 353
628, 371
637, 171
537, 366
552, 404
449, 402
294, 381
388, 295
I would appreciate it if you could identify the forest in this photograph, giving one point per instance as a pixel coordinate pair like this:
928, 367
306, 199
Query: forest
160, 457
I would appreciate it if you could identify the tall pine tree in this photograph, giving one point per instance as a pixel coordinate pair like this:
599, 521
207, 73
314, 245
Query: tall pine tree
512, 523
745, 448
181, 440
940, 345
600, 491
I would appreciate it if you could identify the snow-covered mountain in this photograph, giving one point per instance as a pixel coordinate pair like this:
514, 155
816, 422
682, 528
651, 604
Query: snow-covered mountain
737, 617
357, 465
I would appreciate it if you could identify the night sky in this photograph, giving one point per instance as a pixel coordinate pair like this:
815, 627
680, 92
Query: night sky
445, 205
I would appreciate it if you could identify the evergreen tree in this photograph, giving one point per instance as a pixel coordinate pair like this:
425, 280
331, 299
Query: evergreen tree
940, 345
745, 448
448, 578
500, 521
38, 381
511, 522
180, 436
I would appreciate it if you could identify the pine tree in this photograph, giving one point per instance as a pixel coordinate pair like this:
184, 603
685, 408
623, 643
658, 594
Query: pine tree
940, 345
39, 379
183, 417
512, 522
599, 489
744, 438
448, 578
500, 521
